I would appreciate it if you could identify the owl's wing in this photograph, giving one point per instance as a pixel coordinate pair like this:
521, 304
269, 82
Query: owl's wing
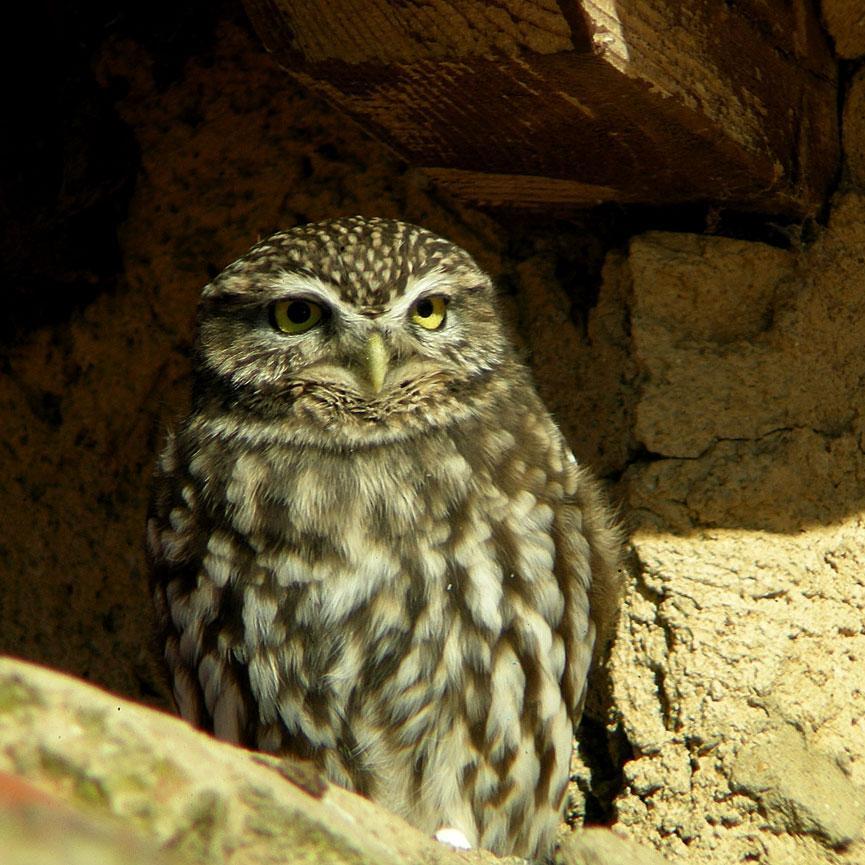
587, 558
210, 687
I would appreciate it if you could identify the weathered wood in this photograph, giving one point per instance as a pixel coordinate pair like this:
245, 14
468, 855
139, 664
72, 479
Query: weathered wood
560, 104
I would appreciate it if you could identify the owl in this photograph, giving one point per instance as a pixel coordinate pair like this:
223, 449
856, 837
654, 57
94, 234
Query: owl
370, 546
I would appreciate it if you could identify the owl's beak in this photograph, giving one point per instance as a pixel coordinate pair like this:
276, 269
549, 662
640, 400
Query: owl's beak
376, 360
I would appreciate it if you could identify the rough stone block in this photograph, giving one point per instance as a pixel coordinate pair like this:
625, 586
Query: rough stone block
746, 607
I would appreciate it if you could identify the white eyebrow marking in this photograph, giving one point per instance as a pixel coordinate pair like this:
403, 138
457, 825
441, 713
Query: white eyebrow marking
315, 289
298, 283
415, 288
289, 283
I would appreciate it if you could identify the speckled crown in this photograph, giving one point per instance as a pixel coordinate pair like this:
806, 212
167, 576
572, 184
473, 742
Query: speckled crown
368, 259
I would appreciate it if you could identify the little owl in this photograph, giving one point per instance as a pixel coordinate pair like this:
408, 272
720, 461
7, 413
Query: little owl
370, 546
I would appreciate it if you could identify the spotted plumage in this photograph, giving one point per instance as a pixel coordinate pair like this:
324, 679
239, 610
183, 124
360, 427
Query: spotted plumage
371, 547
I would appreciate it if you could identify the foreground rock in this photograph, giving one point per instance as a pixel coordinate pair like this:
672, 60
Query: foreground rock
87, 778
39, 829
179, 791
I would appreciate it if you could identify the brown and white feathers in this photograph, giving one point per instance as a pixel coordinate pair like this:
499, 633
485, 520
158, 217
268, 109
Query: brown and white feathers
370, 545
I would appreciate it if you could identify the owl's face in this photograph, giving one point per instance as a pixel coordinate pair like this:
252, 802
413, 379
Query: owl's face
365, 329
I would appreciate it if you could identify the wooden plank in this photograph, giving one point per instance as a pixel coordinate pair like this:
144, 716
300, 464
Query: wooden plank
651, 101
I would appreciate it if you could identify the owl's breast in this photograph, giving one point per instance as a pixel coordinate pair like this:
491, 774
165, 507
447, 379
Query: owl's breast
413, 540
397, 612
401, 526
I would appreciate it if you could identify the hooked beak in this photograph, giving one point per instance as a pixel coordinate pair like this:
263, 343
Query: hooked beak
376, 361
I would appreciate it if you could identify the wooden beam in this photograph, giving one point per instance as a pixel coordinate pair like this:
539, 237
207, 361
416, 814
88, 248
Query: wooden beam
570, 102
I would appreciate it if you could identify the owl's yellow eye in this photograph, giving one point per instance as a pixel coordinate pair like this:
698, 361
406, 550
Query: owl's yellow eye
295, 315
429, 312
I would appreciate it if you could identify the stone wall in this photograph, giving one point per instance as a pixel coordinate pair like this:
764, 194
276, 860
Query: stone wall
739, 669
738, 673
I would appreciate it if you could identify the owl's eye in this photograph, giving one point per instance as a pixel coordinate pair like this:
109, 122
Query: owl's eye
429, 312
295, 315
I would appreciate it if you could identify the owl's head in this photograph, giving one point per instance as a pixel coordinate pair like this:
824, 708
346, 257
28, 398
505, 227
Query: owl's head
364, 329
